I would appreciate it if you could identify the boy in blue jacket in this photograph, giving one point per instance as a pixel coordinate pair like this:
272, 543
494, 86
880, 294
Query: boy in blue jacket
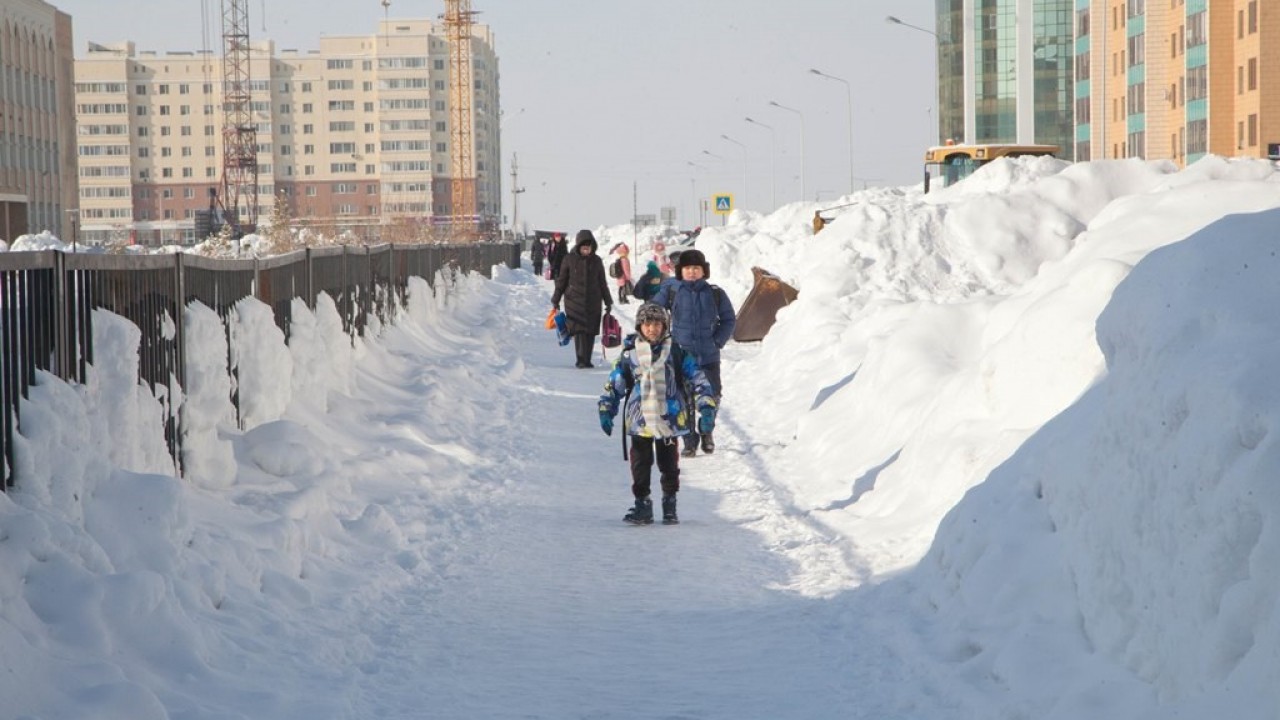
661, 386
702, 320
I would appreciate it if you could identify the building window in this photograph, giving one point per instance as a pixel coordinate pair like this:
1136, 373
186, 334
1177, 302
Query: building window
1253, 73
1197, 137
1253, 131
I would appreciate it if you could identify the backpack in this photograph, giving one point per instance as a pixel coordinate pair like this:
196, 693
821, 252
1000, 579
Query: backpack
615, 268
610, 331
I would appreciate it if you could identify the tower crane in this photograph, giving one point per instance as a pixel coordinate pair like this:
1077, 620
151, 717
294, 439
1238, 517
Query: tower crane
239, 135
458, 20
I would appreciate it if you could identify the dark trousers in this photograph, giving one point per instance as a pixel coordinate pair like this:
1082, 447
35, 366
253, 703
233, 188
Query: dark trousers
712, 371
623, 291
583, 344
643, 450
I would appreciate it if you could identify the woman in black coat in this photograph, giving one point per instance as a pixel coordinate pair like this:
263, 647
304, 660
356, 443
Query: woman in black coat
583, 286
556, 253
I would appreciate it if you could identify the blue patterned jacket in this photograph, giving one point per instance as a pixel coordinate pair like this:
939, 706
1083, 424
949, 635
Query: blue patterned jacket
686, 385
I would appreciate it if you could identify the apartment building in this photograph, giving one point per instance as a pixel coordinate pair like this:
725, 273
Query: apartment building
354, 137
37, 129
1005, 71
1177, 79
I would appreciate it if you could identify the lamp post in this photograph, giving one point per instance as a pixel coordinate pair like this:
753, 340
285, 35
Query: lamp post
693, 190
780, 106
72, 215
773, 162
848, 89
745, 188
937, 101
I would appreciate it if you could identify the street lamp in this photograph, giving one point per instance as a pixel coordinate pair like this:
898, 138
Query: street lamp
780, 106
937, 101
773, 162
693, 189
72, 215
848, 89
745, 189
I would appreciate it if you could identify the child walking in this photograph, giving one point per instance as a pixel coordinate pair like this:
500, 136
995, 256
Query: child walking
661, 387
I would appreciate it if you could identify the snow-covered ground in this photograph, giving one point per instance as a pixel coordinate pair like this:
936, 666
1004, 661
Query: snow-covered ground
1009, 455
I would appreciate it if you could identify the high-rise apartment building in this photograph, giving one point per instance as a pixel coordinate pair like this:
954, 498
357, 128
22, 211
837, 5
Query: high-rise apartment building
1176, 79
355, 137
37, 129
1005, 71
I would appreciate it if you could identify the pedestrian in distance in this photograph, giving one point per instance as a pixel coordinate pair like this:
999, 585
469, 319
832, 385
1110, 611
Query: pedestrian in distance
556, 253
581, 284
660, 256
648, 283
537, 253
620, 271
702, 320
660, 388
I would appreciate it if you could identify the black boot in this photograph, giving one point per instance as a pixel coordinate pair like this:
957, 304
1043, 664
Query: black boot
690, 446
641, 514
669, 510
708, 444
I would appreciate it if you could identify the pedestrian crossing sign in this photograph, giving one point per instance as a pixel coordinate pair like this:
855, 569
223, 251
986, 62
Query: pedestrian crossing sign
723, 204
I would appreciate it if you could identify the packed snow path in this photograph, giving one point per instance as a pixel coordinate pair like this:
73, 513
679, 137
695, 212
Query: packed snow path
544, 604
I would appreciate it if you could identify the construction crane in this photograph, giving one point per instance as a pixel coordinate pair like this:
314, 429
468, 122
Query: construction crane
239, 135
458, 21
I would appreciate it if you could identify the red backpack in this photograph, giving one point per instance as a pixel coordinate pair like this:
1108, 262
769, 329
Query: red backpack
610, 331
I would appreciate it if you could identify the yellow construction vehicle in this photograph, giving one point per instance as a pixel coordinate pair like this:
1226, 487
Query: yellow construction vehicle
953, 163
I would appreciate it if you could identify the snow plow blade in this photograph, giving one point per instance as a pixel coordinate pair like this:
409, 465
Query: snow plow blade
760, 309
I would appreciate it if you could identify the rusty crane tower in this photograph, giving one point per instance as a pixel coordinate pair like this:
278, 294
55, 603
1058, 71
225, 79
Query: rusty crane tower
458, 21
239, 135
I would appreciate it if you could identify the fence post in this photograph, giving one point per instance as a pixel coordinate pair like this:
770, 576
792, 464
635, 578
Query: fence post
180, 307
62, 325
311, 281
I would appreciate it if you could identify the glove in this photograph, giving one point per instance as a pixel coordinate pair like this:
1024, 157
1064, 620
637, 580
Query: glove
606, 423
706, 420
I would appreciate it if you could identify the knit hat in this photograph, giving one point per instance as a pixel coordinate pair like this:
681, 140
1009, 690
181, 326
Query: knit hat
692, 257
653, 312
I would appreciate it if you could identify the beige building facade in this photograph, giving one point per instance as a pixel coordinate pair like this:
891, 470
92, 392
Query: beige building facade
1177, 79
37, 127
353, 137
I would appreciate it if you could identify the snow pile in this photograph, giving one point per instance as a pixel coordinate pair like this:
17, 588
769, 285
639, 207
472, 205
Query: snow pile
1009, 455
36, 242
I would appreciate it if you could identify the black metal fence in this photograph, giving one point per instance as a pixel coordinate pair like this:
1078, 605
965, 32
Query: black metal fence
47, 301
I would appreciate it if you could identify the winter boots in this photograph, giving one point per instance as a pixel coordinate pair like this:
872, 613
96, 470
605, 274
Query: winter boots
708, 444
642, 513
669, 510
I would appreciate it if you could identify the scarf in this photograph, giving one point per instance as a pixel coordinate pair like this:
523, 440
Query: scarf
652, 380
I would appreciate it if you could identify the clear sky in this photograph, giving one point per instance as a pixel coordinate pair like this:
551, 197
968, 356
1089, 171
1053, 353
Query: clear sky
608, 103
